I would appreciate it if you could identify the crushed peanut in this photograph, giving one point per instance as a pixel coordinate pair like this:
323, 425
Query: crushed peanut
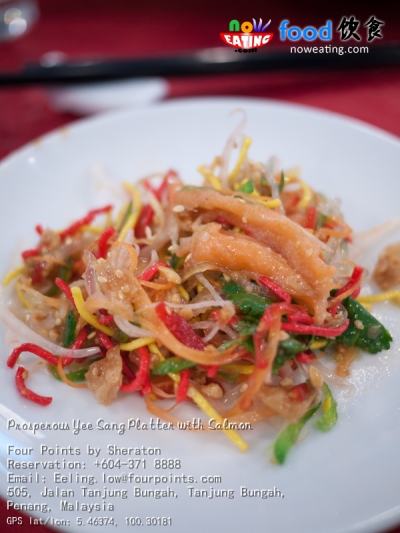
212, 390
283, 336
286, 382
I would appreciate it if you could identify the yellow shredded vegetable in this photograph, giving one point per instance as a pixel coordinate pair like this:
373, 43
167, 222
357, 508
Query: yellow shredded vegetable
242, 155
137, 343
11, 275
88, 317
380, 297
133, 217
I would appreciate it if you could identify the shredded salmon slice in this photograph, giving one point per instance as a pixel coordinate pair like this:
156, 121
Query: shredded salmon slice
240, 252
301, 250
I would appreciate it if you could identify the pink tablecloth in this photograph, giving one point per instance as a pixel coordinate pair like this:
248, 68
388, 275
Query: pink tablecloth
124, 28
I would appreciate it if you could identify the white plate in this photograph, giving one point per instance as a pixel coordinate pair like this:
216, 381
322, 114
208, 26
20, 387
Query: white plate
345, 481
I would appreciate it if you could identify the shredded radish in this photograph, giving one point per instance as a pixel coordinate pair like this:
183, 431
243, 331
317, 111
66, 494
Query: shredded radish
332, 378
211, 334
230, 145
130, 329
90, 273
210, 288
26, 333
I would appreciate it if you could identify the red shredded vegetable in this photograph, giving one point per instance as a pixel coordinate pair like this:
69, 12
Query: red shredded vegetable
64, 287
164, 185
76, 345
20, 378
281, 293
37, 274
306, 329
298, 393
103, 241
305, 357
311, 217
126, 369
88, 219
149, 274
183, 386
30, 253
145, 219
179, 327
32, 348
271, 314
142, 375
212, 371
106, 318
105, 341
300, 318
354, 279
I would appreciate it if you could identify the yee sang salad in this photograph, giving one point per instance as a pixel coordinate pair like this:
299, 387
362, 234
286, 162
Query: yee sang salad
225, 295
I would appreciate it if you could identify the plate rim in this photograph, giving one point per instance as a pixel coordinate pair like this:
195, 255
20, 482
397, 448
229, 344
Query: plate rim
69, 128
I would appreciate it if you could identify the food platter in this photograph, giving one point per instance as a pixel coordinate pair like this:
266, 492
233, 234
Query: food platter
347, 480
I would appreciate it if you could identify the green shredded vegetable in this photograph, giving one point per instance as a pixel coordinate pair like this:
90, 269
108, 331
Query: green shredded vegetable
281, 183
75, 377
172, 364
127, 214
329, 418
373, 338
288, 436
69, 330
248, 303
247, 187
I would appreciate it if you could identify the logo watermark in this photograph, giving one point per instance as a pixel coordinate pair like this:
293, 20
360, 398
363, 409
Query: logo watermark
347, 28
247, 37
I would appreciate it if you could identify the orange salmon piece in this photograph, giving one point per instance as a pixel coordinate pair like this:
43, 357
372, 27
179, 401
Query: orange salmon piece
240, 252
300, 250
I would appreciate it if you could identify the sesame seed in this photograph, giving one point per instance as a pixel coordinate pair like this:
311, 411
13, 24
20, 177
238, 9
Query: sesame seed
315, 377
309, 252
92, 335
244, 220
119, 273
358, 324
243, 387
178, 209
102, 279
188, 257
57, 321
